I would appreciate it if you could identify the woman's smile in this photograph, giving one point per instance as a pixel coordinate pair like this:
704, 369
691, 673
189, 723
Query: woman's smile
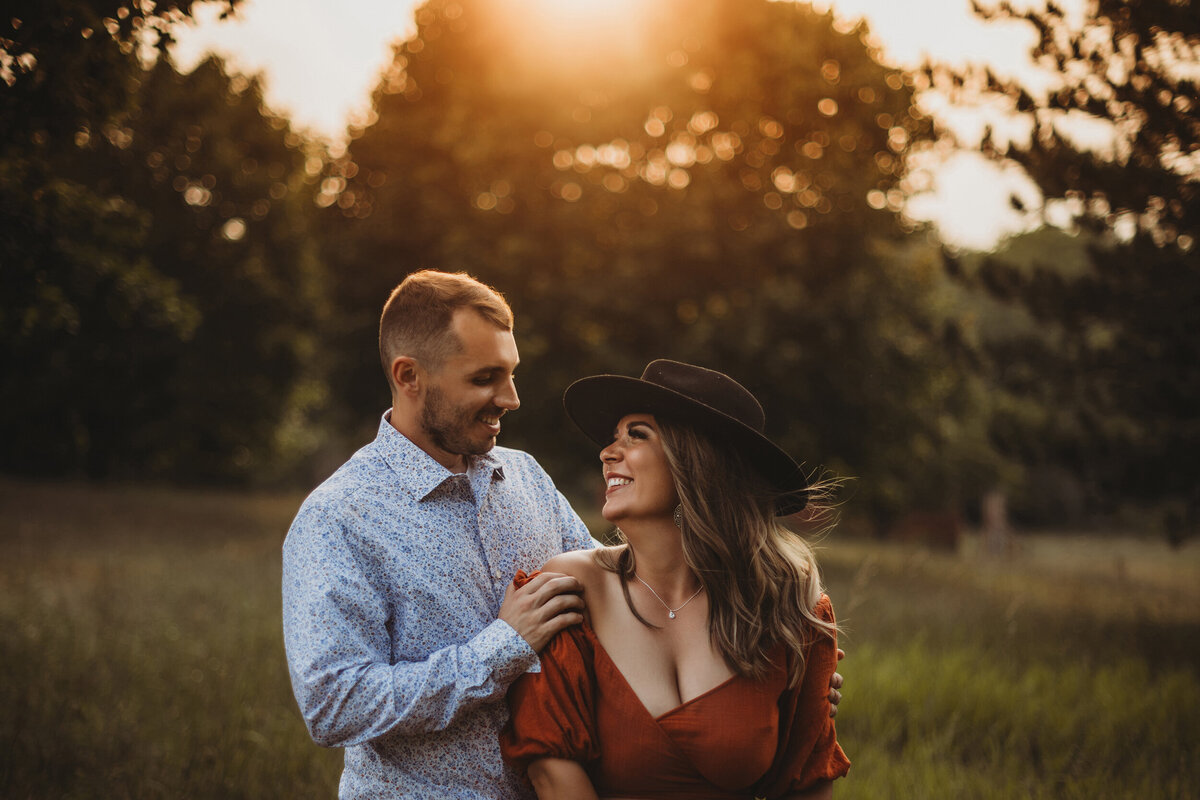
637, 479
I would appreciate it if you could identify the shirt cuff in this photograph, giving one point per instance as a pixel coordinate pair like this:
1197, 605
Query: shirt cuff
505, 652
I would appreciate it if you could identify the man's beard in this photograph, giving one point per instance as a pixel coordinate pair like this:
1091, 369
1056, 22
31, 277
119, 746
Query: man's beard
448, 427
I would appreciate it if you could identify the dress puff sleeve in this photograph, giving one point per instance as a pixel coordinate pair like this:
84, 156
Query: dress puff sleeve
808, 750
552, 711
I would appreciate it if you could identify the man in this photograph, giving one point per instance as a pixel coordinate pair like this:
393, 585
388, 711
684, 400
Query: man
402, 628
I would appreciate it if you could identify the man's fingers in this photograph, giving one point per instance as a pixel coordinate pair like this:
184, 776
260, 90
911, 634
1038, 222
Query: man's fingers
836, 681
542, 578
560, 622
548, 620
835, 697
551, 584
560, 585
560, 604
841, 654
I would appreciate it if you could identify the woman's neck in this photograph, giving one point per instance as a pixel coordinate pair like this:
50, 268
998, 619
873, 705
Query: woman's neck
658, 556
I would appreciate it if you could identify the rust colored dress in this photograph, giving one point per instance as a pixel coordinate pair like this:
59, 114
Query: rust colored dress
741, 739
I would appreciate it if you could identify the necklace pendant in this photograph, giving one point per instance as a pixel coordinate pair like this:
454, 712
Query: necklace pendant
671, 614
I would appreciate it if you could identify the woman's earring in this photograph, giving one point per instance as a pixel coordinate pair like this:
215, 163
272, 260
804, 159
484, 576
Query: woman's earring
678, 516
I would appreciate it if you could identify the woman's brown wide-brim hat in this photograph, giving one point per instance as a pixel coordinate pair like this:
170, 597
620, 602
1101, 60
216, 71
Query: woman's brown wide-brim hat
711, 401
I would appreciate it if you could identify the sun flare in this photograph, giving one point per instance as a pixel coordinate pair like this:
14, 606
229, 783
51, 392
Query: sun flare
563, 37
587, 10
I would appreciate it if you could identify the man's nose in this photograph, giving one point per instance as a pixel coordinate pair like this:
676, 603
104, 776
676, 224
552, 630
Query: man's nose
507, 397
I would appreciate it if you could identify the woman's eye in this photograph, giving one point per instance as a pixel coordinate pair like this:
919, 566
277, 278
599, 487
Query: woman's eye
635, 433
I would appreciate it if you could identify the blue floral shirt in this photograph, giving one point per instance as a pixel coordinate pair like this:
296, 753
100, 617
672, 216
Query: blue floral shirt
393, 574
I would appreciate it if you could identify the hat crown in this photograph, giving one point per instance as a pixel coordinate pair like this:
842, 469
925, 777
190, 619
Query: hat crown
709, 387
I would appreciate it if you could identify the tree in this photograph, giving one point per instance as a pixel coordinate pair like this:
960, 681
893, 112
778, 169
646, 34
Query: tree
160, 281
1113, 360
231, 227
65, 250
720, 186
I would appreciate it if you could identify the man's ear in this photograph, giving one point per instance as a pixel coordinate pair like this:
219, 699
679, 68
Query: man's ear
407, 377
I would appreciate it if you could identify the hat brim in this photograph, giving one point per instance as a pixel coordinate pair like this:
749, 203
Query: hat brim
596, 404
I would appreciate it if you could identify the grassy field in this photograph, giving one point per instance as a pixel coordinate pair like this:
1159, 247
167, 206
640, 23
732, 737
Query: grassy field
141, 657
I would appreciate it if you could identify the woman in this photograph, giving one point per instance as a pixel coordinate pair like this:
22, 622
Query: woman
703, 668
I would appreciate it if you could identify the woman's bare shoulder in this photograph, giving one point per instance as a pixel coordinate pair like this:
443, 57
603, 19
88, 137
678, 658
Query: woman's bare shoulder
582, 564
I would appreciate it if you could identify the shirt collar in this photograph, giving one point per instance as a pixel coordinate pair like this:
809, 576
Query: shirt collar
422, 471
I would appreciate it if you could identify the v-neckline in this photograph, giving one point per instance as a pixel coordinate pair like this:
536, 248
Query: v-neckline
629, 687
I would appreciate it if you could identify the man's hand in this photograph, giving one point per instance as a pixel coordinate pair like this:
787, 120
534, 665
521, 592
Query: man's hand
542, 607
835, 683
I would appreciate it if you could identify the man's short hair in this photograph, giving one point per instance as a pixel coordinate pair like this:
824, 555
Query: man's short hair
416, 317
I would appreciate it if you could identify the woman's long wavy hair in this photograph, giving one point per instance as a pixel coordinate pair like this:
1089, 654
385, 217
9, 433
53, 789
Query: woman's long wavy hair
761, 577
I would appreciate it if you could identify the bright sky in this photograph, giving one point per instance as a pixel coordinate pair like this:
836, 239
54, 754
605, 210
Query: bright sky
320, 60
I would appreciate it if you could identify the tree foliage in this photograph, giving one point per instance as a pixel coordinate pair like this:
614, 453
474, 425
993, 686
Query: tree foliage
721, 188
159, 278
1113, 360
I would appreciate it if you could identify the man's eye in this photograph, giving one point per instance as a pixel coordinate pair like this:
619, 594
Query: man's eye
481, 381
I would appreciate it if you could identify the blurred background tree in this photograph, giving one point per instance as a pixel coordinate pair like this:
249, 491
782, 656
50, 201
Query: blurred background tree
1104, 386
188, 281
722, 186
160, 280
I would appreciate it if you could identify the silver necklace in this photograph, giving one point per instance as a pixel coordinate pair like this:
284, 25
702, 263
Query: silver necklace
670, 611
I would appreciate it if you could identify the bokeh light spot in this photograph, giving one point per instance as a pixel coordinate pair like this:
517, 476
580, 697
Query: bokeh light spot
614, 183
701, 81
687, 311
234, 229
197, 195
784, 179
770, 127
682, 152
702, 122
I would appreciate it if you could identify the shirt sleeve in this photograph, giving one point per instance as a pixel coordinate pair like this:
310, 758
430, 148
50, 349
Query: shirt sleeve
575, 534
808, 749
553, 711
335, 625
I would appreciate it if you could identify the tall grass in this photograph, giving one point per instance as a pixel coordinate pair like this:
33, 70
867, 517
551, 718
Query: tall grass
1024, 678
141, 652
141, 657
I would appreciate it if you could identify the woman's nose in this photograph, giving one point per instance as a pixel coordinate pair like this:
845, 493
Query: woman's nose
609, 453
